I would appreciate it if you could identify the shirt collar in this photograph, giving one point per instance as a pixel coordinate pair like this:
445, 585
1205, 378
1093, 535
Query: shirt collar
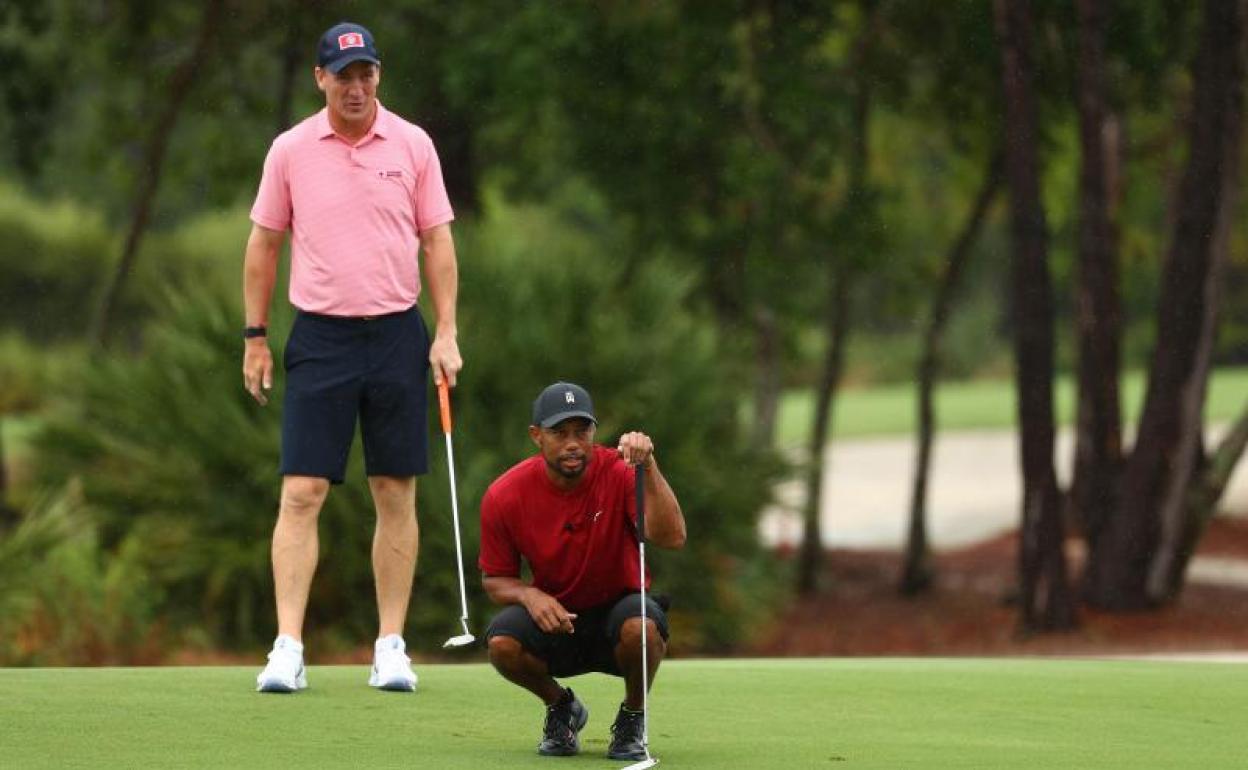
381, 125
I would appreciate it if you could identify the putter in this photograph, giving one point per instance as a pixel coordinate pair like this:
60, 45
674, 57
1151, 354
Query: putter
649, 761
444, 403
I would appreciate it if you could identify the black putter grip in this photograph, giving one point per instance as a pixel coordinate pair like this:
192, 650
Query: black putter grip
641, 503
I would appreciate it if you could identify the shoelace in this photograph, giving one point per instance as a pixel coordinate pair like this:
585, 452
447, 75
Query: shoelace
558, 716
629, 724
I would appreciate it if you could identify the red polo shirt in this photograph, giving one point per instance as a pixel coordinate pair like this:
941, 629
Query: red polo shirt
581, 545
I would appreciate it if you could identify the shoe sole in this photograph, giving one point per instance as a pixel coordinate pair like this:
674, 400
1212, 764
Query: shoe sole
279, 686
393, 685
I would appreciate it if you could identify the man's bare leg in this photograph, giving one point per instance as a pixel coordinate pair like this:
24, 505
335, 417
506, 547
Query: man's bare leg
396, 543
519, 666
628, 657
295, 549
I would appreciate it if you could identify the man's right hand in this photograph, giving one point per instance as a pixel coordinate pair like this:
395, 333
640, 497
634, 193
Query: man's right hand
548, 613
258, 369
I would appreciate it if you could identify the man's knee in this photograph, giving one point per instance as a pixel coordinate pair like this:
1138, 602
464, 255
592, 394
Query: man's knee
505, 652
303, 496
394, 496
630, 634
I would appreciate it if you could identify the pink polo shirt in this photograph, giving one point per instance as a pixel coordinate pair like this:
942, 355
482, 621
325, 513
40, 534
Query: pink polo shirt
355, 212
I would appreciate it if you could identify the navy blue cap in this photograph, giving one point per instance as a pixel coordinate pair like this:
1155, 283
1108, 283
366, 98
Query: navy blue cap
345, 43
562, 401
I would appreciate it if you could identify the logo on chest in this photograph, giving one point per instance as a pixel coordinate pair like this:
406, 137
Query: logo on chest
390, 174
584, 519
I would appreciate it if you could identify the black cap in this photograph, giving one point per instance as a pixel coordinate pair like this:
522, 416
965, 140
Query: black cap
562, 401
345, 43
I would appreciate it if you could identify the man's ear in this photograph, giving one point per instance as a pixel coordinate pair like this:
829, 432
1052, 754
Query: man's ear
318, 75
535, 433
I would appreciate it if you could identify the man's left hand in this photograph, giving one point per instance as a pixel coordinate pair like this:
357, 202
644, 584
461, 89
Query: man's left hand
636, 448
444, 358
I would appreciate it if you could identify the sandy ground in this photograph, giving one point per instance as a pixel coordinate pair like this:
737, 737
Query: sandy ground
974, 493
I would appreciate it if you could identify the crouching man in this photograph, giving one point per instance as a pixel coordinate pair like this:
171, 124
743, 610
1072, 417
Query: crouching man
569, 511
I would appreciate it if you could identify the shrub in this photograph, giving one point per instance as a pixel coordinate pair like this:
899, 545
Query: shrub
173, 455
65, 600
53, 257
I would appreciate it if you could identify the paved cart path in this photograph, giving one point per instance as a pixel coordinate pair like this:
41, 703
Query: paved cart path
974, 492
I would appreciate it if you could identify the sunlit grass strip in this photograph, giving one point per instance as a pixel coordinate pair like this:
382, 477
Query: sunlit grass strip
979, 404
853, 713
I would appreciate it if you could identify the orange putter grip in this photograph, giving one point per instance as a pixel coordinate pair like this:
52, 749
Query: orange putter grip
444, 404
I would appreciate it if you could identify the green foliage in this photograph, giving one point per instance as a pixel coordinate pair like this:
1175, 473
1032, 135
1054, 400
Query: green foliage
550, 294
168, 452
30, 371
178, 465
64, 599
52, 257
675, 157
56, 255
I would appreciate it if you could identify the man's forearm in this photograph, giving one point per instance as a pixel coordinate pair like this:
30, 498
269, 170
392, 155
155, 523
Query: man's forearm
259, 276
505, 590
665, 522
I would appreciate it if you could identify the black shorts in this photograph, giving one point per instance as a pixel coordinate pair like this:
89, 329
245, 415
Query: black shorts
591, 648
339, 368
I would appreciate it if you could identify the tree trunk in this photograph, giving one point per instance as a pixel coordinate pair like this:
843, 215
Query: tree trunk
1138, 551
292, 54
1046, 602
8, 515
1098, 440
767, 376
1201, 503
837, 319
842, 274
916, 572
150, 171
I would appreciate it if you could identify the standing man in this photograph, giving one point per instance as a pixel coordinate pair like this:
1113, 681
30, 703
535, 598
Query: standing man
570, 512
361, 191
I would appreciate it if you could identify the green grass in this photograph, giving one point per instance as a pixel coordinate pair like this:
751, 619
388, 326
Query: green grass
890, 409
851, 713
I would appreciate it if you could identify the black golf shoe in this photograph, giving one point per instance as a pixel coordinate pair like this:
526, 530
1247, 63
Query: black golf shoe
627, 735
563, 721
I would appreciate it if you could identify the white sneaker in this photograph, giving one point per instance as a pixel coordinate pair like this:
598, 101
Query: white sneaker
392, 669
285, 672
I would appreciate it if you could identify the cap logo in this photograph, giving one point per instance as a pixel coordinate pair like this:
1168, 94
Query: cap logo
350, 40
569, 397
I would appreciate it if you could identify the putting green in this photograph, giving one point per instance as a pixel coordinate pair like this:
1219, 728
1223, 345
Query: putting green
827, 713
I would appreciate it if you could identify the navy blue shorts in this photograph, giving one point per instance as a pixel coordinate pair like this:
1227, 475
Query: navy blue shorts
592, 647
338, 369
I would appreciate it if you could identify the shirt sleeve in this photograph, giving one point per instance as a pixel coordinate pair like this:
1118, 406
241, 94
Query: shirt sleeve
432, 205
499, 555
272, 208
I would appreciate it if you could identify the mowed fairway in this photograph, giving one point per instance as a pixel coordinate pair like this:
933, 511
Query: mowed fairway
843, 713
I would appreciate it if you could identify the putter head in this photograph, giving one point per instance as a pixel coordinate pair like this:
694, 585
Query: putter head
647, 762
463, 640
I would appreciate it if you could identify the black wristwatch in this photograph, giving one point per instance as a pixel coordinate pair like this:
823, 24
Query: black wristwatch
250, 332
